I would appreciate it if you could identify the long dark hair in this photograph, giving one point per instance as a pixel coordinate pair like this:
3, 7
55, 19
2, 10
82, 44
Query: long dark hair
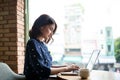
41, 21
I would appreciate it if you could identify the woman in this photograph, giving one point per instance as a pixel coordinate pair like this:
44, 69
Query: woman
38, 61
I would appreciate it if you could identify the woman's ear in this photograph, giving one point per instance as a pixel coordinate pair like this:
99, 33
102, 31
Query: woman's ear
41, 28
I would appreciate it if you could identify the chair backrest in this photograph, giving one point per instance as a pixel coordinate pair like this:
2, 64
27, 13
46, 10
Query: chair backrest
6, 73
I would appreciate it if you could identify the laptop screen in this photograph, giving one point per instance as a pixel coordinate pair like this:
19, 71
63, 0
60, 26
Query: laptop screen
92, 60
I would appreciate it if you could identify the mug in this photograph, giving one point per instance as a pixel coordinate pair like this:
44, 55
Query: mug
84, 73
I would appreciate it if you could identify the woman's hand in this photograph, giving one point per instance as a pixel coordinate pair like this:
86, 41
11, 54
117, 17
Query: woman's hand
72, 67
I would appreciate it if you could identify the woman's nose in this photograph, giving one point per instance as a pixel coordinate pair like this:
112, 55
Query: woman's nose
51, 34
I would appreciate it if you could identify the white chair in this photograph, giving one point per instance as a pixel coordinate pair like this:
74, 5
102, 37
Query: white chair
6, 73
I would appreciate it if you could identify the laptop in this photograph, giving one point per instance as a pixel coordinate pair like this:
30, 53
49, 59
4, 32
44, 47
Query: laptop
92, 60
90, 64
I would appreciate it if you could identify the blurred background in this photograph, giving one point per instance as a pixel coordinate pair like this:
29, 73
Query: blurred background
83, 26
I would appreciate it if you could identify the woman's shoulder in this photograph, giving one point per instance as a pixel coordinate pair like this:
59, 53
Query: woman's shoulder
34, 42
31, 41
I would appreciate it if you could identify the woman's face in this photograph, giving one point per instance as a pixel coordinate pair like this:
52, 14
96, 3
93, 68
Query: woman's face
47, 31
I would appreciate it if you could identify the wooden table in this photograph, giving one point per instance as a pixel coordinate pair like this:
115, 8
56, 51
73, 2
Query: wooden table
94, 75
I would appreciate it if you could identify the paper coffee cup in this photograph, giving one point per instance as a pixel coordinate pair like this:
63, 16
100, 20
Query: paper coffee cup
84, 73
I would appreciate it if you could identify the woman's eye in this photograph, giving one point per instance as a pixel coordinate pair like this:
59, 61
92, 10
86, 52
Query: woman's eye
51, 29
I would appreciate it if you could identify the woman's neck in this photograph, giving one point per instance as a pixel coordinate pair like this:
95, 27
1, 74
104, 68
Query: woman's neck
41, 39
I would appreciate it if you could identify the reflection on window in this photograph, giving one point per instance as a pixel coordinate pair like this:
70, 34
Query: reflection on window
81, 29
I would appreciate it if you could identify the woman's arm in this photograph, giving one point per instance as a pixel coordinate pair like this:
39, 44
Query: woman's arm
58, 66
56, 70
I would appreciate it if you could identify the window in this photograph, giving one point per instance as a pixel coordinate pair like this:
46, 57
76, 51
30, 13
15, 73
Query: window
108, 33
109, 48
82, 25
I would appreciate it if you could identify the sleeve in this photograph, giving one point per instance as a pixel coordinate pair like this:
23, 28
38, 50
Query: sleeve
36, 60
